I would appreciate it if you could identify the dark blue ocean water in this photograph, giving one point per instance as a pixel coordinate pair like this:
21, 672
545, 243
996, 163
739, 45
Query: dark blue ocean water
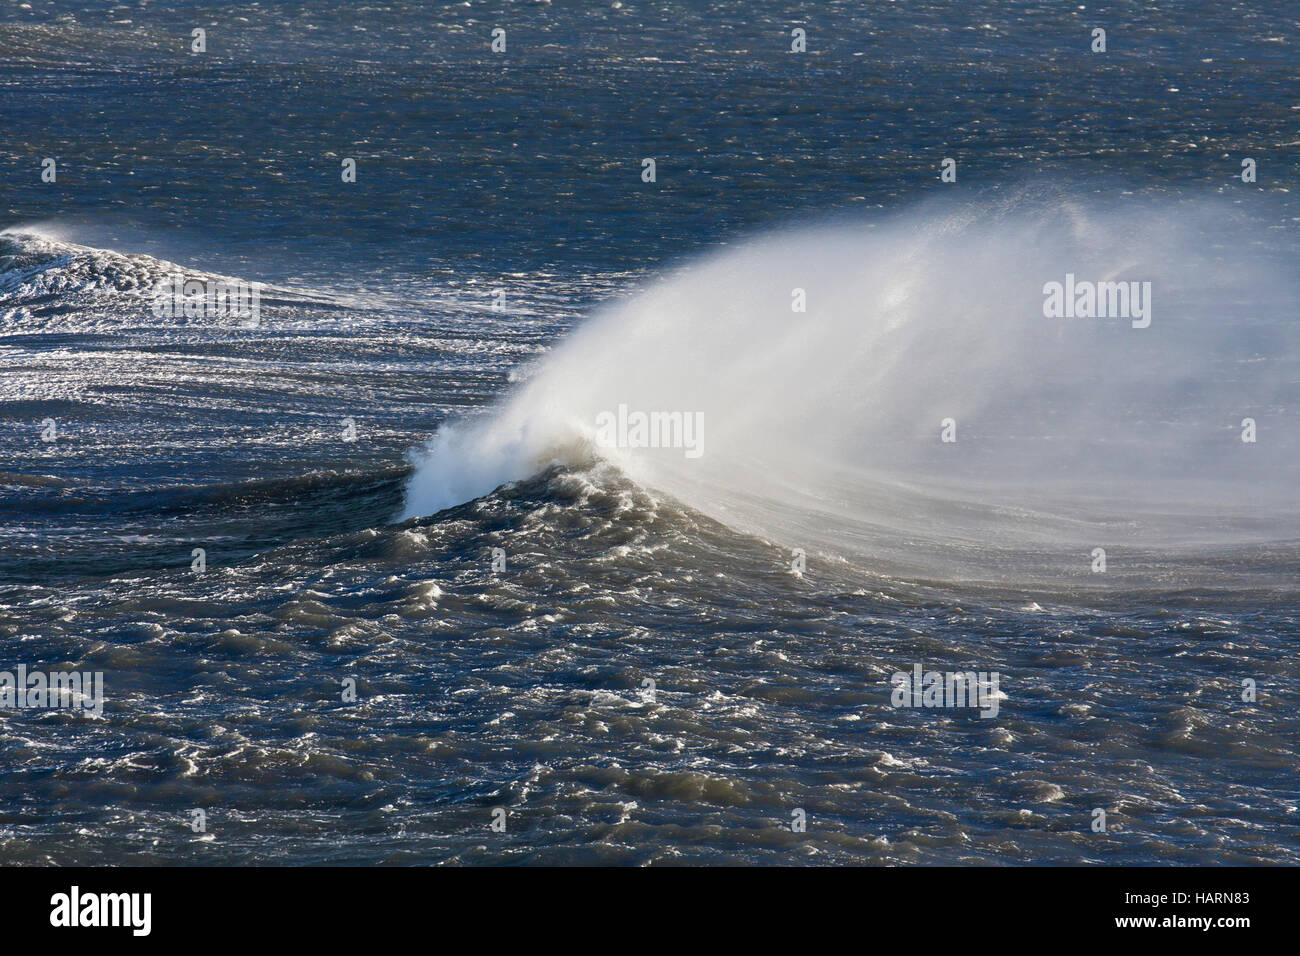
524, 689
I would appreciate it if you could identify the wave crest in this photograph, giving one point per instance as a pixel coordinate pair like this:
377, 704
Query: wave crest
826, 427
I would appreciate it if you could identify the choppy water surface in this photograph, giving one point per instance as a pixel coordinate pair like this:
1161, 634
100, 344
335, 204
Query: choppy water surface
525, 688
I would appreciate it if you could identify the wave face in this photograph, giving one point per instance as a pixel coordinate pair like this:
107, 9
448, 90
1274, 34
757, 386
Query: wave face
827, 428
170, 430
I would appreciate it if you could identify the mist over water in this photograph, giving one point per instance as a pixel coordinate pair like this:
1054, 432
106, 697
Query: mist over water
825, 428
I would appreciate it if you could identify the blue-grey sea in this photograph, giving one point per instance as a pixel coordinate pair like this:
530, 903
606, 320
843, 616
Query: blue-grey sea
433, 622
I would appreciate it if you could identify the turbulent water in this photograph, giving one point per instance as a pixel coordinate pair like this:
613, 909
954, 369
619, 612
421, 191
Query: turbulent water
680, 653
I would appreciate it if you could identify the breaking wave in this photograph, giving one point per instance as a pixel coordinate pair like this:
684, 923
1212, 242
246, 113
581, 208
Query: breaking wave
826, 428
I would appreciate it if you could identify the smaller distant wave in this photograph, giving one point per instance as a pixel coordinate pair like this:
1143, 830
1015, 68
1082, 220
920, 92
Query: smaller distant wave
43, 277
